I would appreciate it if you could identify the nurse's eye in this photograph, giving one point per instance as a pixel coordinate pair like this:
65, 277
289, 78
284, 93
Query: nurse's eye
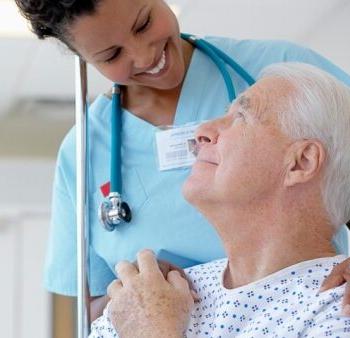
114, 55
145, 25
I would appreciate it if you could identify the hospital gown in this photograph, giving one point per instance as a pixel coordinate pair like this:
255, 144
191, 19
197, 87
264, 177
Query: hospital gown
285, 304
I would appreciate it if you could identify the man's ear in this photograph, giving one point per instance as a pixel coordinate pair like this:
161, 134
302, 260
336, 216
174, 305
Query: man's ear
304, 160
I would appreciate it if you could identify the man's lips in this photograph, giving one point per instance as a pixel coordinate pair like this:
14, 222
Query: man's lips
206, 160
203, 155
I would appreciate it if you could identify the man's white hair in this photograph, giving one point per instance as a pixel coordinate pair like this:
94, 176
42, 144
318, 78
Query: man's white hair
320, 109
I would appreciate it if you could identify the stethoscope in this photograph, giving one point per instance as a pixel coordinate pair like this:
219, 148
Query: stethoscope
113, 210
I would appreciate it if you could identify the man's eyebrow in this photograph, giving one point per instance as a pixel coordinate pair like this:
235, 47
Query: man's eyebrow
132, 29
244, 102
252, 107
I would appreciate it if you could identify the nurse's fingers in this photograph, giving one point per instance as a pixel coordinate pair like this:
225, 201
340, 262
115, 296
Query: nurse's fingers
147, 262
346, 300
125, 270
338, 276
114, 287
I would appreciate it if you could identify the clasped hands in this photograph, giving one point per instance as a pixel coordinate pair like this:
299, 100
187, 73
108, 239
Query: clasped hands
153, 299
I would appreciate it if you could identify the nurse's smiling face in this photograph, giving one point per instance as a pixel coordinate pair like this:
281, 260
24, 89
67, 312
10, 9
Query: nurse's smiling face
132, 42
241, 155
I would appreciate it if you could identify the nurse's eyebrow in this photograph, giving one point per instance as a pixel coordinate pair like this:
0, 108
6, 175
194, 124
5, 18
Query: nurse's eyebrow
132, 29
137, 18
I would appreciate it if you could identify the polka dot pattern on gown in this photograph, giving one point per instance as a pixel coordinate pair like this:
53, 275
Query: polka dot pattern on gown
285, 304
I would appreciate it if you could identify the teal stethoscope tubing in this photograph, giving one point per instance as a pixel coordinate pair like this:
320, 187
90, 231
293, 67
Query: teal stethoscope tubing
116, 122
220, 59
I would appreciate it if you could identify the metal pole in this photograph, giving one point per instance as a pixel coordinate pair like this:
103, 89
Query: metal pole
81, 106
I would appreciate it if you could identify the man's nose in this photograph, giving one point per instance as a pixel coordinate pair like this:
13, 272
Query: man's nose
207, 133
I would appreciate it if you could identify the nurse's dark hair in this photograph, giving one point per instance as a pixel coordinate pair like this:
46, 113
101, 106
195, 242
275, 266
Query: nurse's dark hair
52, 18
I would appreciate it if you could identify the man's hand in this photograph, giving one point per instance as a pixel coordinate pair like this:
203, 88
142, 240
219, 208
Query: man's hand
146, 304
340, 275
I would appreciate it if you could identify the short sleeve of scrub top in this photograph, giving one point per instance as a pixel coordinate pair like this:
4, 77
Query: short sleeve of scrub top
62, 239
162, 219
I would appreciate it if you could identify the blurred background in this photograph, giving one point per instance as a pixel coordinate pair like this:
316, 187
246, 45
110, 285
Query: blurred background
37, 109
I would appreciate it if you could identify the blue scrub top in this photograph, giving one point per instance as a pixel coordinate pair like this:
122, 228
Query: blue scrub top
162, 219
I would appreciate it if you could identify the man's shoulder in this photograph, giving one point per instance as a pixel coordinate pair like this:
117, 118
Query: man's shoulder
319, 267
306, 276
323, 316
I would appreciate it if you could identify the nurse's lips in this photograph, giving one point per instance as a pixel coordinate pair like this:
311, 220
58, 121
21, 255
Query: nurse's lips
161, 62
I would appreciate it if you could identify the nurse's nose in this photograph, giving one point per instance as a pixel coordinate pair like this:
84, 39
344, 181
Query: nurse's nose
144, 58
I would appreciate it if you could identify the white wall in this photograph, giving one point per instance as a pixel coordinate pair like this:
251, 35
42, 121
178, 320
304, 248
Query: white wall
25, 305
26, 183
25, 193
321, 24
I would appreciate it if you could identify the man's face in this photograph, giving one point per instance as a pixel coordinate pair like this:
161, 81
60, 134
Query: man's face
241, 155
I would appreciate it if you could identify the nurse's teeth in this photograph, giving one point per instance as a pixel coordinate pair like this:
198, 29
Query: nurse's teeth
159, 66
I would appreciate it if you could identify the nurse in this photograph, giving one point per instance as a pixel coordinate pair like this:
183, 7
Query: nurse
137, 44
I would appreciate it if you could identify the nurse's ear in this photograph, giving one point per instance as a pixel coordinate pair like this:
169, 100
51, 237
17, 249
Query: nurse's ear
303, 161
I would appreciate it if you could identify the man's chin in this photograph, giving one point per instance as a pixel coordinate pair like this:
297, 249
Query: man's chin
192, 191
189, 190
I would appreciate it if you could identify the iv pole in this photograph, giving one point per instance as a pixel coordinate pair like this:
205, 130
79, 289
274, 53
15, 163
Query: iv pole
81, 110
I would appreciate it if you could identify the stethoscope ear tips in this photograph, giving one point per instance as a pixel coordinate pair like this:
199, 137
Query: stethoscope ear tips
125, 212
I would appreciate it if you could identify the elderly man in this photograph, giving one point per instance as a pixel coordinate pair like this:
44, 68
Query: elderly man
272, 176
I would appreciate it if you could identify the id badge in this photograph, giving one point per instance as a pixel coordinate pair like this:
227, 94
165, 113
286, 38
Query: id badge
176, 146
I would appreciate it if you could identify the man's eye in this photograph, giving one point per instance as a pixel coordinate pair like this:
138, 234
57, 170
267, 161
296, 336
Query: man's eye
238, 116
145, 25
114, 56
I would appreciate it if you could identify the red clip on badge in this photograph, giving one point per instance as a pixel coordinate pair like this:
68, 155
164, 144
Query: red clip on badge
105, 189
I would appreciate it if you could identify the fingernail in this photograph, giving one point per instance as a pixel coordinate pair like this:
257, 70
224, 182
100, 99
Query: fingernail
174, 272
195, 295
346, 311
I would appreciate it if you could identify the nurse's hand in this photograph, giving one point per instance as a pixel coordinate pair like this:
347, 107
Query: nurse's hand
145, 304
340, 275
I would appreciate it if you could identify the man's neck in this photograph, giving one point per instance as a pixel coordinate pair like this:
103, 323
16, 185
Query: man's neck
266, 242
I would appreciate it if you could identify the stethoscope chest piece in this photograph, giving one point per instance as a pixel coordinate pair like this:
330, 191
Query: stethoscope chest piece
112, 211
